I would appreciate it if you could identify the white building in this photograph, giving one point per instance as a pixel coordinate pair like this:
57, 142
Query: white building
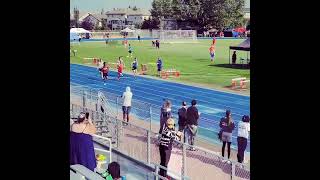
93, 18
122, 18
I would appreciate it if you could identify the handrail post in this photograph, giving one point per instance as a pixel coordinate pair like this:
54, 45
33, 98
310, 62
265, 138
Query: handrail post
118, 122
233, 170
157, 172
150, 111
110, 149
83, 99
148, 147
184, 158
117, 107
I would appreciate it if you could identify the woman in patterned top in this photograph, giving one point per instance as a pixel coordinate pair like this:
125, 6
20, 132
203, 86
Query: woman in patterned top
167, 136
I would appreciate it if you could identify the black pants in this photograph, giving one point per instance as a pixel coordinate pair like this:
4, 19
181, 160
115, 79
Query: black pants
165, 154
224, 146
242, 145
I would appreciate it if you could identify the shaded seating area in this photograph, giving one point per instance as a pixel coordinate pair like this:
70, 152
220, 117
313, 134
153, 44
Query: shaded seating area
244, 46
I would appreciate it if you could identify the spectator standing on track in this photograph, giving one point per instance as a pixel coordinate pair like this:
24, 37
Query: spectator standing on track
192, 123
168, 134
243, 135
159, 66
139, 38
126, 106
165, 113
182, 112
81, 143
227, 126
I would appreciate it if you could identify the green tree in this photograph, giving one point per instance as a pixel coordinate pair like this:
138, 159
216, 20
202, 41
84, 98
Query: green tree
150, 24
206, 13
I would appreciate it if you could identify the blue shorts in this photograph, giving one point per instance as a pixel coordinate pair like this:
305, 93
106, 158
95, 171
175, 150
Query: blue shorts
126, 109
212, 55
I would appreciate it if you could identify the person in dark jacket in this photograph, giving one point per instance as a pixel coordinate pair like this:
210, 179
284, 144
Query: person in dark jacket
234, 57
192, 123
182, 113
165, 114
168, 134
227, 126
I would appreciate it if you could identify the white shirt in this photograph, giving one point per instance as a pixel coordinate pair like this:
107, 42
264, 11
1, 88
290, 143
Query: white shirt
100, 64
127, 96
243, 129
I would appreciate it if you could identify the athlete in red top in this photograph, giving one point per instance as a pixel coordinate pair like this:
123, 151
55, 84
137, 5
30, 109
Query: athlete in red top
214, 41
212, 52
120, 68
105, 70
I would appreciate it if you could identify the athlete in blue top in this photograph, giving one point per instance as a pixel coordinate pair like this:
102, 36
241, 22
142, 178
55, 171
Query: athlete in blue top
130, 50
135, 66
159, 65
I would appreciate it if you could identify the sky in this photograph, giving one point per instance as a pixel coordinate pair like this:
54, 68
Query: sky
97, 5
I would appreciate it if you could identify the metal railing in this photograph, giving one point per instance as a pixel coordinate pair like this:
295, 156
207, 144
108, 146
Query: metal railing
88, 97
95, 136
141, 144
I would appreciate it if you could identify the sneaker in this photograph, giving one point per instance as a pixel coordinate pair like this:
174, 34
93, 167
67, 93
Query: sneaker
224, 161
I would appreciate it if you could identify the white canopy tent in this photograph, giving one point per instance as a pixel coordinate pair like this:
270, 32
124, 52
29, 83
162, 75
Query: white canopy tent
79, 30
127, 30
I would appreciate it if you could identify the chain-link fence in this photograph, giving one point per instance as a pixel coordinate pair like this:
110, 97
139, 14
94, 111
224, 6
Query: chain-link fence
141, 144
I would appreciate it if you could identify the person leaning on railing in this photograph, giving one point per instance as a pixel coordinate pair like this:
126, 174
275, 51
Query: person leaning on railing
81, 143
243, 135
168, 134
192, 124
227, 126
182, 122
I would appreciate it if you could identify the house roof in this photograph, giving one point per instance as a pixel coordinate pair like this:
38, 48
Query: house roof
81, 14
129, 11
99, 16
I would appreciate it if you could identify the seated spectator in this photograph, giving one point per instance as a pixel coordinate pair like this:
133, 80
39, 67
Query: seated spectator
81, 143
113, 172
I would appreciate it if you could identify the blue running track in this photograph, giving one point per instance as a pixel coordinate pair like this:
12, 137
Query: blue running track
211, 103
